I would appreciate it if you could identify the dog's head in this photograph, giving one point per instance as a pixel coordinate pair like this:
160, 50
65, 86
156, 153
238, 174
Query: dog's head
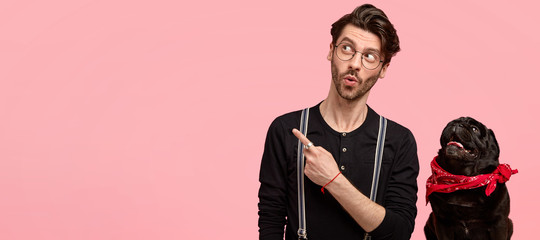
468, 148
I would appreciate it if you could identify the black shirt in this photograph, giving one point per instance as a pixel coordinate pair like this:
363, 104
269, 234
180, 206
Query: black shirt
354, 153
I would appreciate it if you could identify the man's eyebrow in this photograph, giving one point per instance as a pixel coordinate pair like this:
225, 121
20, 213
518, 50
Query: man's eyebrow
372, 50
348, 40
368, 49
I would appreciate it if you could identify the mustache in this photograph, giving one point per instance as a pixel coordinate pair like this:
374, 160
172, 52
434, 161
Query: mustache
352, 73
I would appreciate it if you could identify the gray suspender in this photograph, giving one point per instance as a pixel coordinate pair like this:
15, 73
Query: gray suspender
378, 161
302, 231
378, 158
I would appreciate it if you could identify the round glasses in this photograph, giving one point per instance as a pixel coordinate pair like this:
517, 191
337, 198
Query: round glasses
370, 60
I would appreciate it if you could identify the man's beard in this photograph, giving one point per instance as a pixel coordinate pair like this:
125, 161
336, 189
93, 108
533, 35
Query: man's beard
348, 92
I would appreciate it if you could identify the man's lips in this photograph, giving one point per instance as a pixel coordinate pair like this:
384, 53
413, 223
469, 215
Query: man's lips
350, 80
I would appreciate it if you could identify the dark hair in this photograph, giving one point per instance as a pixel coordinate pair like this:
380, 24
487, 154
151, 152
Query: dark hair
373, 20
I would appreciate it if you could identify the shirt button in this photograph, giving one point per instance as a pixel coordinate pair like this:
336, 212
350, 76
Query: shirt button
342, 168
344, 149
344, 134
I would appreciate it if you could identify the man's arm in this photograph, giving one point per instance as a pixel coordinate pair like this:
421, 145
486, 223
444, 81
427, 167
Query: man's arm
272, 192
401, 191
368, 214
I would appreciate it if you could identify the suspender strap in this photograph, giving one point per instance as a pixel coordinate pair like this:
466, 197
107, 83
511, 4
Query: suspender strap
377, 164
378, 158
302, 232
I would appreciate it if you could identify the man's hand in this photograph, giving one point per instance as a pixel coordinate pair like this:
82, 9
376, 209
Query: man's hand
320, 164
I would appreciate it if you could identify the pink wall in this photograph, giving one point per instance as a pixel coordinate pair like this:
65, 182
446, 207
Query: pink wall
130, 120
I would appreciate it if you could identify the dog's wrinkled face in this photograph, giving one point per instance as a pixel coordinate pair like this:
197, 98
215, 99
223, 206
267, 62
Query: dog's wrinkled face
468, 148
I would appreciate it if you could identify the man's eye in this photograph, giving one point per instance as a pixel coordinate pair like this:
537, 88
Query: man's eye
370, 57
347, 48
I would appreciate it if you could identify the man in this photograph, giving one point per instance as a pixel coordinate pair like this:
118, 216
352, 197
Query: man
344, 130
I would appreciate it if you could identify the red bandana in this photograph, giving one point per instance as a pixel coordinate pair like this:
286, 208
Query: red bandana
443, 181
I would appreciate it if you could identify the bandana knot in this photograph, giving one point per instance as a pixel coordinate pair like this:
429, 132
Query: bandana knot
445, 182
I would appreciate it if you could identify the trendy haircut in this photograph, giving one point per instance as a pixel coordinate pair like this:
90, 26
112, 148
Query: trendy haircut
373, 20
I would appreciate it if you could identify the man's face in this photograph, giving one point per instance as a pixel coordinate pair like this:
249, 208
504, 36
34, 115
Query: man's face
350, 78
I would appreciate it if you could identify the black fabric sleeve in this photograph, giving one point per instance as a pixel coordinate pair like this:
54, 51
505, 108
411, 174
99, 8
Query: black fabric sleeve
273, 188
401, 195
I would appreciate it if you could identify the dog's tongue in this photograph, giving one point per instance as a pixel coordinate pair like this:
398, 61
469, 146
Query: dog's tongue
455, 144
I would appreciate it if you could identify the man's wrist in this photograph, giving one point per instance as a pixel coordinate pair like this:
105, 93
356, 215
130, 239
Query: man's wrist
337, 182
337, 175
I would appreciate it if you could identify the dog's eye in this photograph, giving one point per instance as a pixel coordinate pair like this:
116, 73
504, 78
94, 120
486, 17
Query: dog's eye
475, 129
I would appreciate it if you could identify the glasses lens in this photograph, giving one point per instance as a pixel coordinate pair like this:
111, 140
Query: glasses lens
371, 60
345, 51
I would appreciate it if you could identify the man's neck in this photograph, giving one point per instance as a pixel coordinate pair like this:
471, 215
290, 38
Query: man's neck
344, 115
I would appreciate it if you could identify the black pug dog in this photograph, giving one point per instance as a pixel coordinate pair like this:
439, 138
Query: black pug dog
469, 149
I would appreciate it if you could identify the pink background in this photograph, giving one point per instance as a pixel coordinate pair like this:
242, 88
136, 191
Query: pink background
146, 119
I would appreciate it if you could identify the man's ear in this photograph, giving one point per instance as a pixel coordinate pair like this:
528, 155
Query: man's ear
330, 52
383, 70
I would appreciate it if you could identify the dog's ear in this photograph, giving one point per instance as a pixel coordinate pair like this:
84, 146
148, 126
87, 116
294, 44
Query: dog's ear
493, 144
490, 161
445, 133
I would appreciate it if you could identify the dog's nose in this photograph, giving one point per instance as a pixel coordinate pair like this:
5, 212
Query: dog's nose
457, 126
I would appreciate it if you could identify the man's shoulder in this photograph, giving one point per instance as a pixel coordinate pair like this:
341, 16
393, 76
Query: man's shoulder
281, 127
287, 119
395, 125
397, 131
392, 126
396, 128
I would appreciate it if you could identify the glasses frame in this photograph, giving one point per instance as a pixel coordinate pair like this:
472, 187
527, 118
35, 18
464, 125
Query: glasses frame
361, 56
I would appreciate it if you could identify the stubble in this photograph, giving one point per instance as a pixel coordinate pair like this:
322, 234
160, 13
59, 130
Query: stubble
348, 92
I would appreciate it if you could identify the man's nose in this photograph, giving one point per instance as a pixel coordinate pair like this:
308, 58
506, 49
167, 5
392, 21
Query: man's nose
356, 62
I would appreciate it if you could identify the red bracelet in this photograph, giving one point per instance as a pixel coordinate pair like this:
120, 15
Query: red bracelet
322, 189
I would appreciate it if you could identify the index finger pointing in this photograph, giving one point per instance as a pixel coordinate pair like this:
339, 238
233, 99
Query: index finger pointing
300, 136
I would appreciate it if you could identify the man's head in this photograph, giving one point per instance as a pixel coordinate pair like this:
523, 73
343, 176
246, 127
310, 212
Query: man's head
371, 19
363, 43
